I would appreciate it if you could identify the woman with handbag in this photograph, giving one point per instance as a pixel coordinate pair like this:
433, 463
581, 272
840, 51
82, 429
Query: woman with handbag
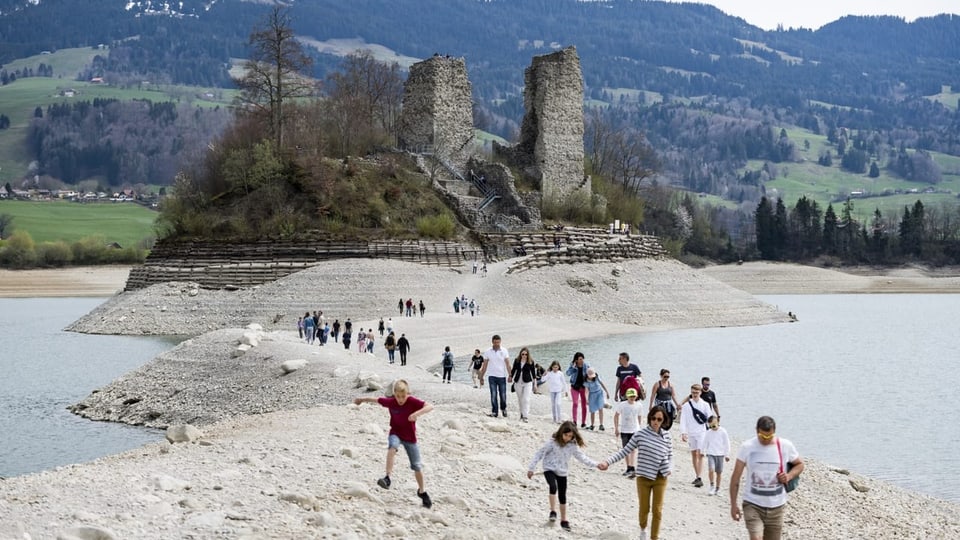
524, 374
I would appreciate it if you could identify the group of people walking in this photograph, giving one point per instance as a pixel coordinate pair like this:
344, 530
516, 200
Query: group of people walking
646, 447
461, 306
409, 309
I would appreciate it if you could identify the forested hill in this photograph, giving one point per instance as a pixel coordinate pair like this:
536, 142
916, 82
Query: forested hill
683, 50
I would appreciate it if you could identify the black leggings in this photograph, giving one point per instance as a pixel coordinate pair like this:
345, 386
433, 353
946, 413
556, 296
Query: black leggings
558, 485
447, 371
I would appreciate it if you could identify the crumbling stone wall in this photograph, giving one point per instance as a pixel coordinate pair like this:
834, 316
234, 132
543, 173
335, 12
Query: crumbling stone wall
437, 113
550, 149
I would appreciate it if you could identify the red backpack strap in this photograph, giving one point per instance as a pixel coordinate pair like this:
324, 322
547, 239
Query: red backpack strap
779, 454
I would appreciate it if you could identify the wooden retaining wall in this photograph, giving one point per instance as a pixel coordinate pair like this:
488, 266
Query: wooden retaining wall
218, 265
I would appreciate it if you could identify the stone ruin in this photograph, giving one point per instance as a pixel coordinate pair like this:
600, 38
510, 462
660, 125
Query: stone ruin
437, 113
437, 121
550, 150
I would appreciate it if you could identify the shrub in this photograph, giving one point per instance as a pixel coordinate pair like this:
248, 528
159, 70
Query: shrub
18, 251
54, 254
89, 250
439, 226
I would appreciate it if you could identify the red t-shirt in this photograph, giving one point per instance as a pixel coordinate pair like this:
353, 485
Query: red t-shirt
400, 424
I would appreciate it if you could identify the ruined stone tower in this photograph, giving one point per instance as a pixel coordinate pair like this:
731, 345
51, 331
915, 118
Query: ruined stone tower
437, 111
551, 135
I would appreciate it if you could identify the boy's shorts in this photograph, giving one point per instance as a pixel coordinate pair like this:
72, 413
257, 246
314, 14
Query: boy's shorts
625, 438
715, 463
412, 449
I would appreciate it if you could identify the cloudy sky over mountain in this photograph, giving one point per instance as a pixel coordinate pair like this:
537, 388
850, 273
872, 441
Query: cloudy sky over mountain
816, 13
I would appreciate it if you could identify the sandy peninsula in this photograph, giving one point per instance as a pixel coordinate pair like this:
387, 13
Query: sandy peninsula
286, 455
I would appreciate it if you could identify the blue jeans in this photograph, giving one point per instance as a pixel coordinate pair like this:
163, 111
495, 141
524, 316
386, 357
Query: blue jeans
498, 387
390, 354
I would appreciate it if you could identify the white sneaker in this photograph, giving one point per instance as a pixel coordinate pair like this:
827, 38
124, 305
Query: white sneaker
643, 534
712, 491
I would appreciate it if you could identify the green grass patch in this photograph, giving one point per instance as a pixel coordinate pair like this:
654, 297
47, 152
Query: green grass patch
49, 221
947, 97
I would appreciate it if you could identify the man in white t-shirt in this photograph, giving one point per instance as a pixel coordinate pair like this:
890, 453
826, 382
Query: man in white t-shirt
693, 428
765, 457
496, 366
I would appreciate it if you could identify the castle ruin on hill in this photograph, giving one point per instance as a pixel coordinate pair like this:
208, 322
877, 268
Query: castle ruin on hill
437, 120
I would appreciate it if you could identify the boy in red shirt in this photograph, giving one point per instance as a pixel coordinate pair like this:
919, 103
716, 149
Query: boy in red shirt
404, 411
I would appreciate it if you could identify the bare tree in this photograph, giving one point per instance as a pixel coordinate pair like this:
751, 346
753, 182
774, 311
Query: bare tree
6, 225
364, 100
275, 72
620, 153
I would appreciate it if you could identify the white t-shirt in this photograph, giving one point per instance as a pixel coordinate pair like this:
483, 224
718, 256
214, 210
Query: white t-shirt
763, 464
629, 423
556, 381
496, 362
688, 424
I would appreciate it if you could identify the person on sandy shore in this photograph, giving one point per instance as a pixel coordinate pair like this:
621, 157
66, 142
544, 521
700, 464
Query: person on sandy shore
404, 412
626, 368
662, 395
627, 421
654, 465
476, 363
403, 345
597, 396
524, 376
496, 367
693, 428
707, 395
556, 382
577, 373
565, 443
447, 364
771, 462
716, 446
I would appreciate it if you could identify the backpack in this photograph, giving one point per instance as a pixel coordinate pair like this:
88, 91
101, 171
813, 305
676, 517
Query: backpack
631, 382
448, 359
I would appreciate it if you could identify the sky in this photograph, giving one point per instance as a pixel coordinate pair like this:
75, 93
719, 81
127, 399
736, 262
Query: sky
813, 14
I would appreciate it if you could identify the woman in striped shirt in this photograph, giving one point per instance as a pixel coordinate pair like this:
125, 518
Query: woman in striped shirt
654, 463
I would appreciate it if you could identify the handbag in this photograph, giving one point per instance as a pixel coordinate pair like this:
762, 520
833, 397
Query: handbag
513, 387
793, 482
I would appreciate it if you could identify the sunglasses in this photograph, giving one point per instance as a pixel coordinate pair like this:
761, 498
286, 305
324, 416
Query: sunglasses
666, 376
765, 437
657, 419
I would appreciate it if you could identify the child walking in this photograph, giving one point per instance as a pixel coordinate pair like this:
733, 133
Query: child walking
626, 422
404, 412
716, 446
596, 391
556, 382
556, 454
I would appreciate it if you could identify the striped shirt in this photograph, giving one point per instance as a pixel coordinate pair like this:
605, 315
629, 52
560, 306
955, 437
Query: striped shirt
654, 456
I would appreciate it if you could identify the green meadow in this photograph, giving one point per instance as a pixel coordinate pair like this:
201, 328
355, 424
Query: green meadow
127, 224
826, 184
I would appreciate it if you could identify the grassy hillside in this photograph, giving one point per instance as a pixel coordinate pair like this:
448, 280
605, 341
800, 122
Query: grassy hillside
826, 184
19, 99
124, 223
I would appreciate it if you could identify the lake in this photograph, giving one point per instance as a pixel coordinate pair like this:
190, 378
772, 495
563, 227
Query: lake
46, 369
861, 381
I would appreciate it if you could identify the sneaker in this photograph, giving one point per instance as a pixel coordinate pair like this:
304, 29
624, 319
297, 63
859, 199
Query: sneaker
427, 503
590, 428
504, 413
643, 534
626, 472
712, 491
698, 483
632, 475
553, 516
565, 525
582, 426
492, 415
384, 482
601, 427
